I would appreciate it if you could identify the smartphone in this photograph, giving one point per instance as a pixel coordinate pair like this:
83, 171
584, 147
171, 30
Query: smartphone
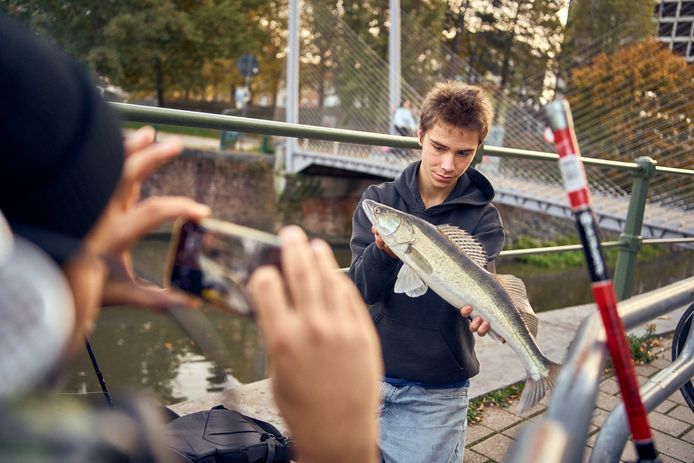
213, 260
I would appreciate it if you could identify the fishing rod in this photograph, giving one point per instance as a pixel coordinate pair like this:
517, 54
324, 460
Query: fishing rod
576, 186
99, 375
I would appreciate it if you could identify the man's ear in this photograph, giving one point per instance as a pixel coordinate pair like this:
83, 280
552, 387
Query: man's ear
420, 136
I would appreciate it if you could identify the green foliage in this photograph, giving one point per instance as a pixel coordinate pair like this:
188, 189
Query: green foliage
564, 259
183, 49
499, 398
172, 48
515, 40
567, 259
642, 346
603, 26
177, 129
297, 188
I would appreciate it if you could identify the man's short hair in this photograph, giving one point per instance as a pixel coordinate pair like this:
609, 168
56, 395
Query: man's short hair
461, 105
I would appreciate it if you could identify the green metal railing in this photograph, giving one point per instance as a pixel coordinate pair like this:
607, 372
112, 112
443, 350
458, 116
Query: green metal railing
642, 170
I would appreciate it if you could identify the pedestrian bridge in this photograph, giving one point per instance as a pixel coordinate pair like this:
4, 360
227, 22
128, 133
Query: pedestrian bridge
528, 184
521, 178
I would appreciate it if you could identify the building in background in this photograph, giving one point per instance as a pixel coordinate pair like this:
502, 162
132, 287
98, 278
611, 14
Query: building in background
675, 18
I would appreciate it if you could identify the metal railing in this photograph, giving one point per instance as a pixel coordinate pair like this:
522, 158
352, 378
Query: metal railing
578, 383
629, 242
559, 435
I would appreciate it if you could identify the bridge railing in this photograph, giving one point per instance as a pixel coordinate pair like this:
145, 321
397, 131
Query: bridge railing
642, 170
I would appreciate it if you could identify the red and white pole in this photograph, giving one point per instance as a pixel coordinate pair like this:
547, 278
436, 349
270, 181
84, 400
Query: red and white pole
576, 185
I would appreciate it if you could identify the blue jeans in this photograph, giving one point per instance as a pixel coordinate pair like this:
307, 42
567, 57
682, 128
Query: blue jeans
422, 425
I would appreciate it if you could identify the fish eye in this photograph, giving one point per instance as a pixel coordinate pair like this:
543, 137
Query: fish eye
377, 209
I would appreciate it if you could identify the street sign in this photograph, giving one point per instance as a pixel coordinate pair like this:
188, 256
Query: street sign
248, 65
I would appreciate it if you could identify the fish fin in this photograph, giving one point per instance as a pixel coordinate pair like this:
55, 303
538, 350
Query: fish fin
408, 282
531, 322
515, 288
535, 390
419, 260
466, 242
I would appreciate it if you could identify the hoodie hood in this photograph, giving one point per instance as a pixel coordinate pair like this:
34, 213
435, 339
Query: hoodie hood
472, 189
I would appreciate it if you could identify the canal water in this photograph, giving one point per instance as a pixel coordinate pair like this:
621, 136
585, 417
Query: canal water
151, 351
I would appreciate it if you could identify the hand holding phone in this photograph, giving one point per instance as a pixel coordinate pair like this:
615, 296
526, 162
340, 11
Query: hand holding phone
318, 332
214, 260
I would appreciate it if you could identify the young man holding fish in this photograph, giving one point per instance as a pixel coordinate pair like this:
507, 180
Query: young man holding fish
428, 348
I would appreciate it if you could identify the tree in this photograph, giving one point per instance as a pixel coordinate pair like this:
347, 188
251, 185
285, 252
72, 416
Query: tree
267, 32
166, 39
603, 26
518, 41
77, 26
172, 47
635, 102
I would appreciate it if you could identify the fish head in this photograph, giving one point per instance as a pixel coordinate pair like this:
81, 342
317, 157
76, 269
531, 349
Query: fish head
393, 225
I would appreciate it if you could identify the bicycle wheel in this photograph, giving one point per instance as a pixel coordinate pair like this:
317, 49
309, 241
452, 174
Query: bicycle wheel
678, 341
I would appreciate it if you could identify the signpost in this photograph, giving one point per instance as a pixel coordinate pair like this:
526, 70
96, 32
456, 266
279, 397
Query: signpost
248, 67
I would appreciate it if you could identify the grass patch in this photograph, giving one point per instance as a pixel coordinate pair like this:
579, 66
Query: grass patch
569, 259
642, 347
500, 398
177, 129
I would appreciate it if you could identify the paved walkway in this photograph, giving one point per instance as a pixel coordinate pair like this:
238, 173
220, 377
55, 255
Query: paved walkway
672, 422
489, 440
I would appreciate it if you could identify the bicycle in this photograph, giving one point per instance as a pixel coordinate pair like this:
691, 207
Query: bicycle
678, 342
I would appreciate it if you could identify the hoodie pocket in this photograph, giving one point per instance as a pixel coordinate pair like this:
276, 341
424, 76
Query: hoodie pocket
416, 353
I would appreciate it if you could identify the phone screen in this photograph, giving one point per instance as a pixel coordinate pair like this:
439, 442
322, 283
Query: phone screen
214, 260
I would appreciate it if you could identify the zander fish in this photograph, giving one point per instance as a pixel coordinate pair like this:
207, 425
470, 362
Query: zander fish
451, 262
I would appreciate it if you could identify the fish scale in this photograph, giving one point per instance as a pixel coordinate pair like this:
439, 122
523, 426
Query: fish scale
482, 299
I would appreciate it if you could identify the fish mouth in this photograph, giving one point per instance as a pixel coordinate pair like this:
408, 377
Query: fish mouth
369, 205
372, 210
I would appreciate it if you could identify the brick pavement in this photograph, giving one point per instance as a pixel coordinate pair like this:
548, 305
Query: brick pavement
672, 421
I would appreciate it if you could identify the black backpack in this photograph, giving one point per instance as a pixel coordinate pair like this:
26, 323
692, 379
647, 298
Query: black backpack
220, 435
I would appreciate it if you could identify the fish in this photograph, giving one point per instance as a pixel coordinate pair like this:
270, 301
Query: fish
451, 262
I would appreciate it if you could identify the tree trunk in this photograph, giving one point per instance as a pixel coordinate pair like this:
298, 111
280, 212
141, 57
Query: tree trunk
507, 51
159, 82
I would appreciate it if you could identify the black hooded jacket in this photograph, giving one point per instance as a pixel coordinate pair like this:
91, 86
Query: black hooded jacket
424, 339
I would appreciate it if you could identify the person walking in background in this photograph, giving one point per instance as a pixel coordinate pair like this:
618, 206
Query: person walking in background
403, 120
427, 344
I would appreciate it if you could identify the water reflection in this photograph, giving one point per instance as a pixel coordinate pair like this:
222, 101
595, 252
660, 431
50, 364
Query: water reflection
147, 350
550, 288
139, 349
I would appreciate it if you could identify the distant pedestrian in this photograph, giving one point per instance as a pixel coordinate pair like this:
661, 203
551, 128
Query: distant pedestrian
403, 120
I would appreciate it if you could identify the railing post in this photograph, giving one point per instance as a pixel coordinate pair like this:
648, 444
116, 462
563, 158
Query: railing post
630, 238
479, 155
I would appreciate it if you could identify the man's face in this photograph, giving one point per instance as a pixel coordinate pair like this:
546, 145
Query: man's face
447, 152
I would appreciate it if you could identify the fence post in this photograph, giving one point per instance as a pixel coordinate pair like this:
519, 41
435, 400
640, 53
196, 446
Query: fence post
630, 238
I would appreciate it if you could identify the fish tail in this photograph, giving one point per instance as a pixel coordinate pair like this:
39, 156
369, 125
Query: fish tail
535, 390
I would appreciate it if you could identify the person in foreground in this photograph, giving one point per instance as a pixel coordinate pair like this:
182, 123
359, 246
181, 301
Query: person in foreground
70, 185
428, 347
324, 352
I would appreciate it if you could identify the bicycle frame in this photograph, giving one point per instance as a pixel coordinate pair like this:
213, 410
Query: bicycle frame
614, 434
580, 377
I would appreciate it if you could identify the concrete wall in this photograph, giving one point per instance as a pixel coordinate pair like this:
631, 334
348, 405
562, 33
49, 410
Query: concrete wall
238, 187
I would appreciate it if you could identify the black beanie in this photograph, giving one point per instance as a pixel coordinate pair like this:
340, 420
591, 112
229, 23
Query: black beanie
61, 148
